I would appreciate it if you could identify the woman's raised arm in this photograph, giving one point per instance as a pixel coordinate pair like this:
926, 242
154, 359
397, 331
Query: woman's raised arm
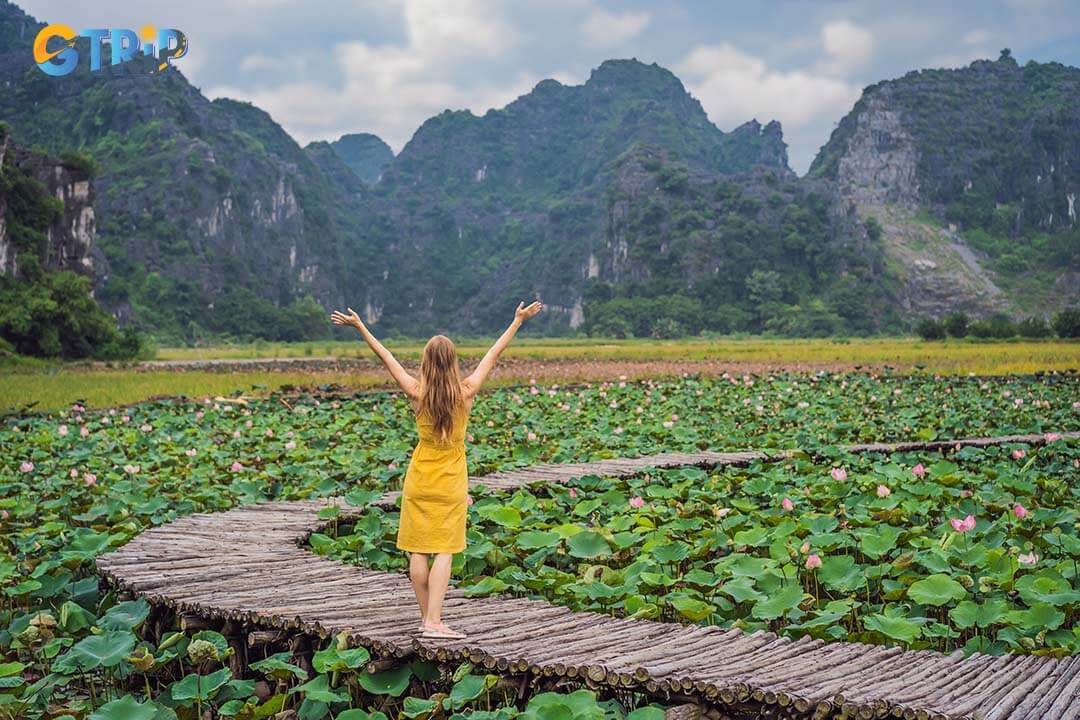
479, 375
408, 384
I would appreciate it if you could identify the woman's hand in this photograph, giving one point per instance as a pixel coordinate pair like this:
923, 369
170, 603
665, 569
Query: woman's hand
523, 313
340, 318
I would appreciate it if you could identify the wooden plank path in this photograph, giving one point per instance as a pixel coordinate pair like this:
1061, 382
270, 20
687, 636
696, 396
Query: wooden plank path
250, 564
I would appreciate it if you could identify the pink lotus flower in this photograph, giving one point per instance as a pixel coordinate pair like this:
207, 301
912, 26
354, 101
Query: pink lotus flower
965, 493
573, 493
618, 431
191, 452
269, 432
26, 466
125, 418
468, 499
1027, 559
236, 433
1051, 437
248, 423
637, 502
145, 427
131, 469
813, 561
963, 526
74, 473
531, 436
919, 471
805, 548
236, 466
674, 418
84, 431
1020, 511
838, 474
1018, 454
883, 491
199, 414
668, 424
106, 421
290, 445
89, 479
787, 505
1018, 402
62, 430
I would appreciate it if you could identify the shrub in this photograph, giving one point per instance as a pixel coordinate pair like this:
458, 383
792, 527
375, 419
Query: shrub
1067, 323
930, 329
957, 325
1034, 327
996, 326
614, 327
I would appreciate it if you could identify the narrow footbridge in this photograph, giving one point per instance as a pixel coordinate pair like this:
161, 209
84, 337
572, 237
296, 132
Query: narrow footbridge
250, 565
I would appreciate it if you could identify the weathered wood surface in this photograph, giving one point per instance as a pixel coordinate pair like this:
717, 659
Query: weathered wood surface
250, 564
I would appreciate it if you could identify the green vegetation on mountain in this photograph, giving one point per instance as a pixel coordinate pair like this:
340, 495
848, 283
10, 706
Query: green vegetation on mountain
46, 311
996, 150
616, 201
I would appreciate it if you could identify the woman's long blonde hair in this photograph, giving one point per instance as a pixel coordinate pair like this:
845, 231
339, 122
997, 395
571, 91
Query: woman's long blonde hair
440, 384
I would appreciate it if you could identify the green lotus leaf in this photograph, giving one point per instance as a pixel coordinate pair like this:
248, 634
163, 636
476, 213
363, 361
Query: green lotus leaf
880, 540
898, 628
388, 682
534, 539
318, 690
126, 708
96, 651
588, 545
938, 589
125, 616
778, 603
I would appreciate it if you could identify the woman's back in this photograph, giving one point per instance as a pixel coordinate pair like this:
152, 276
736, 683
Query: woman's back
425, 427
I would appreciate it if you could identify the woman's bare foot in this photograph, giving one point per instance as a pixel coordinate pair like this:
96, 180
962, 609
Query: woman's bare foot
440, 630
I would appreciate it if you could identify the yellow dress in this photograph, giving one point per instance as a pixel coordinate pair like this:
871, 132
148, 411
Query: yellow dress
434, 500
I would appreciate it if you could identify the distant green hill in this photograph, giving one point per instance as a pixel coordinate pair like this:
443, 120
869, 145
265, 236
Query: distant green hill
365, 154
616, 201
990, 154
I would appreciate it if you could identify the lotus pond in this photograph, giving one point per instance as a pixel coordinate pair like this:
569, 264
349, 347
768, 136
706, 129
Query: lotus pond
680, 545
856, 547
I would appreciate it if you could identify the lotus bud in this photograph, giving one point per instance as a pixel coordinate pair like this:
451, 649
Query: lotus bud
342, 641
171, 640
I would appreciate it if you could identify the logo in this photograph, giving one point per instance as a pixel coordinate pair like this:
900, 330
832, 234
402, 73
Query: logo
166, 44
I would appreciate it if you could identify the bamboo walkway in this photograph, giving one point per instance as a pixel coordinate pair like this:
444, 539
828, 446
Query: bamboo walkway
250, 565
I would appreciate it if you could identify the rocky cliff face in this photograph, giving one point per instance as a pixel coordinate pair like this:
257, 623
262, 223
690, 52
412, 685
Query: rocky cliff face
69, 238
974, 173
880, 162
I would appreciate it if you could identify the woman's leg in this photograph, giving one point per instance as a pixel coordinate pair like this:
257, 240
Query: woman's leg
418, 575
439, 579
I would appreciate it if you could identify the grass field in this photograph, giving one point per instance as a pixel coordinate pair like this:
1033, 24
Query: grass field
951, 356
54, 385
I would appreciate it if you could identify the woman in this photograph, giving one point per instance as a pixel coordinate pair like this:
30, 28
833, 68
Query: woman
436, 492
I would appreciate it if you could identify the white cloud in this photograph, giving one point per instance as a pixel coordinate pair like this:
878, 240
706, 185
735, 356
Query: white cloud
847, 45
976, 37
257, 62
734, 86
606, 29
390, 89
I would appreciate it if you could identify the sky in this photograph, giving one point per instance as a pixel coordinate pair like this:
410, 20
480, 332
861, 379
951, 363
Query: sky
323, 68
